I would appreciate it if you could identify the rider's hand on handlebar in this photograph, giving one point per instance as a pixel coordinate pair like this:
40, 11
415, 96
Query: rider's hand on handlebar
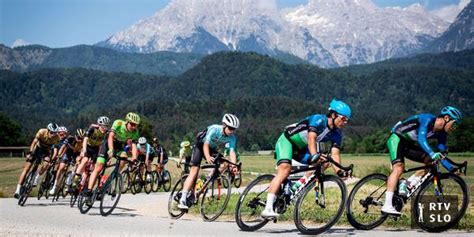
437, 156
210, 160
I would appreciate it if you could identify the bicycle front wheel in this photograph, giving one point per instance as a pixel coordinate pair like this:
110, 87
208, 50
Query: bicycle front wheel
364, 205
126, 183
111, 195
155, 180
320, 205
449, 189
166, 180
251, 203
173, 200
215, 198
148, 182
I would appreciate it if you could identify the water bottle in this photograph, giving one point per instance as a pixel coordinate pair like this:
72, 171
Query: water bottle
402, 188
287, 188
298, 184
103, 180
199, 184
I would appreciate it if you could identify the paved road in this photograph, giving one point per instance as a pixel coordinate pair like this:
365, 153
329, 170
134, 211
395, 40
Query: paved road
139, 215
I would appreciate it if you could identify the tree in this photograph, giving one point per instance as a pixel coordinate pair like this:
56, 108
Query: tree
10, 132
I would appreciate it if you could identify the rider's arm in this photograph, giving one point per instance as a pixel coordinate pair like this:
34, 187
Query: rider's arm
33, 144
312, 136
207, 153
84, 146
422, 132
162, 156
134, 151
110, 141
336, 156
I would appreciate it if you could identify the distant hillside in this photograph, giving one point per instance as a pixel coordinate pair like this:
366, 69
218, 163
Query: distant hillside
92, 57
265, 93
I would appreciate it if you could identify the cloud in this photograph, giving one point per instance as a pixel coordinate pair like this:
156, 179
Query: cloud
449, 13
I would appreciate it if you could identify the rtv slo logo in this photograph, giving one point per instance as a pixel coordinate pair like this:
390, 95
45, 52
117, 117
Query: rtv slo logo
434, 210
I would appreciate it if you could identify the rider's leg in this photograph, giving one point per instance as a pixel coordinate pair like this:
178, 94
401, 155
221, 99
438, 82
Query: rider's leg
59, 173
188, 184
395, 148
21, 179
99, 165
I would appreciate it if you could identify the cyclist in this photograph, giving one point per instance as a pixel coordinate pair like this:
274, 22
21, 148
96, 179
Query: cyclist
62, 132
161, 154
145, 154
90, 146
206, 146
303, 139
410, 139
184, 154
39, 149
116, 139
71, 149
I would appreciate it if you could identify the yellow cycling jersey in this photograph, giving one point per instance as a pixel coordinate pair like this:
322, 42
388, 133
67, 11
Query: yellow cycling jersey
95, 136
185, 151
44, 141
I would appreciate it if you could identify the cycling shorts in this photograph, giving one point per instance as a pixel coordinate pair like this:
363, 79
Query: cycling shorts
399, 148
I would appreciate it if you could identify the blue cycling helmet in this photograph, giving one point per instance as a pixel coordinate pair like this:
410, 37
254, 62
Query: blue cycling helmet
452, 112
341, 108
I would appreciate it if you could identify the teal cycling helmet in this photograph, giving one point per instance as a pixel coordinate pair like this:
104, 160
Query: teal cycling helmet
452, 112
341, 108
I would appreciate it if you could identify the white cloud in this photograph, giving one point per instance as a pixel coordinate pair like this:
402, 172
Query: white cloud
449, 13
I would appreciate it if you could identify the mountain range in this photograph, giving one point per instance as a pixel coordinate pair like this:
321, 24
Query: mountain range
326, 33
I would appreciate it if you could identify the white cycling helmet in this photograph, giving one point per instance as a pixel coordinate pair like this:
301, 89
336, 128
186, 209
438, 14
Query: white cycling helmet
62, 129
231, 120
142, 140
52, 127
103, 120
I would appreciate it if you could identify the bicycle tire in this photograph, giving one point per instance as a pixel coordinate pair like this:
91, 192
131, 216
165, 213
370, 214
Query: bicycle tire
426, 187
238, 181
155, 181
211, 197
254, 203
125, 181
167, 183
320, 214
113, 191
148, 184
380, 187
173, 200
26, 188
136, 186
81, 204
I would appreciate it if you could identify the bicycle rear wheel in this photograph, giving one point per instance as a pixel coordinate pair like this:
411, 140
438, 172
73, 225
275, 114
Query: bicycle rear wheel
174, 198
81, 203
215, 198
450, 187
251, 203
320, 206
166, 180
365, 202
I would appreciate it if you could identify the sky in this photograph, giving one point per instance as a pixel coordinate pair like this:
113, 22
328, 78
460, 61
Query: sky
64, 23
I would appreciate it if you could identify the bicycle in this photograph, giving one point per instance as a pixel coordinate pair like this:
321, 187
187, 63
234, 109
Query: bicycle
162, 179
366, 199
142, 179
313, 212
63, 188
214, 197
108, 190
48, 180
27, 186
83, 182
127, 176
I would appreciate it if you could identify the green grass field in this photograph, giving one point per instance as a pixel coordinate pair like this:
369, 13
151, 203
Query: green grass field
10, 168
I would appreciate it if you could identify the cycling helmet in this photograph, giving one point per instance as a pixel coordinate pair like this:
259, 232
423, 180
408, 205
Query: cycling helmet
142, 140
231, 120
452, 112
62, 129
341, 108
80, 133
103, 120
133, 118
185, 144
52, 127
